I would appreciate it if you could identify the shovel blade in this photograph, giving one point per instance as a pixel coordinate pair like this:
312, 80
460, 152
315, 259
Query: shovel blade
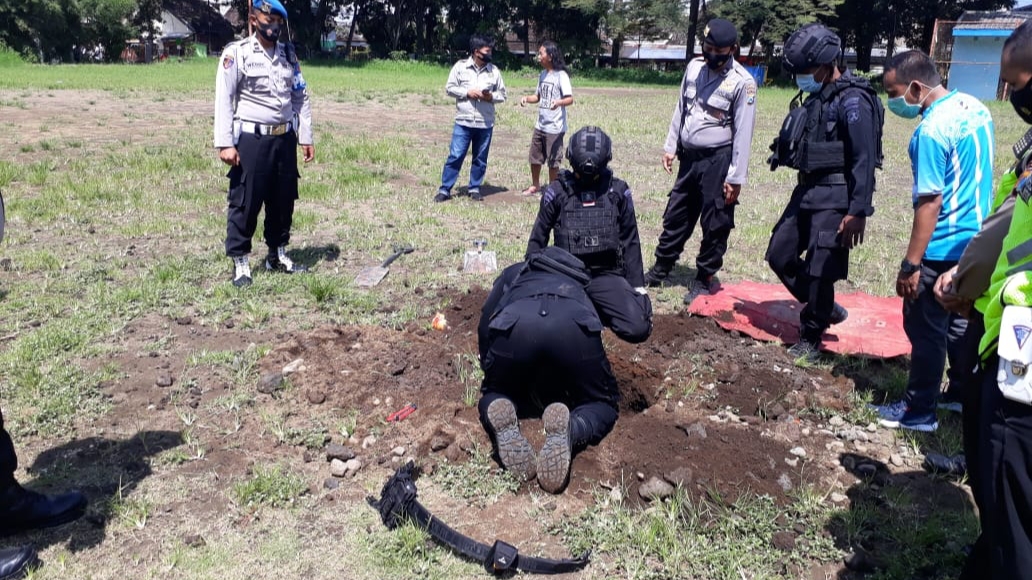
477, 262
370, 276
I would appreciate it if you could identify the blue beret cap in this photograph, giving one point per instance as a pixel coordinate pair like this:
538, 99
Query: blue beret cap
721, 33
270, 7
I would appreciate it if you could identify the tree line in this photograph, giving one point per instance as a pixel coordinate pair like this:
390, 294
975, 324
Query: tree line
63, 30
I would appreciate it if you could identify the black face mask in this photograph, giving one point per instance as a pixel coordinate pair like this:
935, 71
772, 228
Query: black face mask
1021, 99
269, 32
715, 61
486, 57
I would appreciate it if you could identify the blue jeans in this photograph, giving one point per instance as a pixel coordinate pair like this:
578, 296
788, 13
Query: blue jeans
460, 142
934, 335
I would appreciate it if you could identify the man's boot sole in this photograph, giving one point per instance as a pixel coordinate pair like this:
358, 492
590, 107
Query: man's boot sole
514, 450
553, 468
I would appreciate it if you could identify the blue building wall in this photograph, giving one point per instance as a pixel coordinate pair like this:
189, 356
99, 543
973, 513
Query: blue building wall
976, 62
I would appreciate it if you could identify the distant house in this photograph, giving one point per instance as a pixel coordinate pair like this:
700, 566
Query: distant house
194, 22
977, 43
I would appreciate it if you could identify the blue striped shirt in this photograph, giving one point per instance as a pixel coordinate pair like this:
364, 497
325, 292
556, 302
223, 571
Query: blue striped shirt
951, 154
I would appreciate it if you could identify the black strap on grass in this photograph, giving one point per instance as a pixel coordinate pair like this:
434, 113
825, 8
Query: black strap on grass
398, 502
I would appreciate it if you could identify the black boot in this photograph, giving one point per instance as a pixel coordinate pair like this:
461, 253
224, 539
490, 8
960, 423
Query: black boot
22, 509
15, 562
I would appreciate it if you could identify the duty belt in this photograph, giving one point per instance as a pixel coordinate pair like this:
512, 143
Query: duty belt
696, 154
261, 129
821, 178
398, 502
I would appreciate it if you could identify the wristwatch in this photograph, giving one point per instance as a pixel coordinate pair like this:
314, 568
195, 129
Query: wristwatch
908, 267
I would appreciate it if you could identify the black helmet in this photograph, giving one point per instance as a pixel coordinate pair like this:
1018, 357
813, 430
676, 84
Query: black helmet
590, 151
810, 46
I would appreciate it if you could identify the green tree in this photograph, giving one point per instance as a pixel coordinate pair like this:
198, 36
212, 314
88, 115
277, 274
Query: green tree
41, 30
107, 23
769, 22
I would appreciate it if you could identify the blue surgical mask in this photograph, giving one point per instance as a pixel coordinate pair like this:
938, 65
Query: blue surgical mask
808, 84
901, 107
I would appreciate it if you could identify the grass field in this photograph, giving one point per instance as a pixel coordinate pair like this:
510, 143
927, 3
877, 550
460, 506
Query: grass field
115, 207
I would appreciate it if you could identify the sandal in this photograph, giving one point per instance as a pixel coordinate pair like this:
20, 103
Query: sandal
533, 189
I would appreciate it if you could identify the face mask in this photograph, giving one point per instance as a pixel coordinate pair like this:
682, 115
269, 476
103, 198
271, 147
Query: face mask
269, 32
486, 57
1021, 99
901, 107
715, 61
808, 84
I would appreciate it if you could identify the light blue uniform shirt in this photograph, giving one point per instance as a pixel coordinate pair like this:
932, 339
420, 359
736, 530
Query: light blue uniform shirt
951, 154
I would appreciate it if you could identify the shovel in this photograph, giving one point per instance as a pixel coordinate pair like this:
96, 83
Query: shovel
372, 275
2, 217
478, 261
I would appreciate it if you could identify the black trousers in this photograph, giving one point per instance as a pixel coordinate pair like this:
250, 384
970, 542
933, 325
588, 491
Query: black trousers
805, 254
267, 175
972, 376
550, 351
8, 459
627, 313
1004, 549
698, 197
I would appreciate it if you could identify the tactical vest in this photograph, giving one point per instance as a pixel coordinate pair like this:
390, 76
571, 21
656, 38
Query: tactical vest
808, 142
589, 222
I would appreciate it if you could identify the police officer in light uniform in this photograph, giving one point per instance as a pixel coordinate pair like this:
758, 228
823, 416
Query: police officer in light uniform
542, 355
262, 113
710, 136
590, 213
834, 140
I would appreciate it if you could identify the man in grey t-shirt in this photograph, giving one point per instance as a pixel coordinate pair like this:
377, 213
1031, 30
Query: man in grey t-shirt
553, 95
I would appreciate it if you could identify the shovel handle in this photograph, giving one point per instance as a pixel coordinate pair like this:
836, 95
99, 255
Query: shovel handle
395, 256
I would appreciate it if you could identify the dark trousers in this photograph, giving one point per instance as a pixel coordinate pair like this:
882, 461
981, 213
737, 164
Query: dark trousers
8, 459
1004, 549
973, 376
267, 175
553, 357
935, 335
698, 197
627, 313
805, 254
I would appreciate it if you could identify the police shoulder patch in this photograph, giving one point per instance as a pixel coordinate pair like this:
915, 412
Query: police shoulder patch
851, 106
227, 62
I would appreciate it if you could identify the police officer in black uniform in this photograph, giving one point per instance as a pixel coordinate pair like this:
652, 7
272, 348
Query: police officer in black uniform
834, 141
590, 214
540, 341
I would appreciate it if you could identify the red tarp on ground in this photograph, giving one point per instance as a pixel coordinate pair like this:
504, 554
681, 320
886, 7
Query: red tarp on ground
768, 312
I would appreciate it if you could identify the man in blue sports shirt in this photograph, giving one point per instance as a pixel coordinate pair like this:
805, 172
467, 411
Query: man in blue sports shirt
951, 155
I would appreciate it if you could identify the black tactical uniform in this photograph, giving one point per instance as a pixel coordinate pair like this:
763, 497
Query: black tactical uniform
590, 213
834, 141
540, 342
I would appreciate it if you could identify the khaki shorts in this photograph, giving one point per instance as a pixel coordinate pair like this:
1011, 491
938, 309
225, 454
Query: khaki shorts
546, 147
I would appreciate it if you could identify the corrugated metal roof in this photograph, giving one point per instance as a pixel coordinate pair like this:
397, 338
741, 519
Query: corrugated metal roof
991, 20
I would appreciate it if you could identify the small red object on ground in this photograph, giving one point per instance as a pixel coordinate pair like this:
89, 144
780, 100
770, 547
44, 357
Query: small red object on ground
402, 413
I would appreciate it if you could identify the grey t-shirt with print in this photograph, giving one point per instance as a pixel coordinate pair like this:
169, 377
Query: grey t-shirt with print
552, 86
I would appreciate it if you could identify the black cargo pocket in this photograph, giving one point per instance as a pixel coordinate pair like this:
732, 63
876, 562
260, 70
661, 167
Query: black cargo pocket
828, 260
503, 323
237, 186
588, 322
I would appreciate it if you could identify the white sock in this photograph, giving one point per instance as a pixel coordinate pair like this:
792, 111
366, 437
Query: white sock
281, 253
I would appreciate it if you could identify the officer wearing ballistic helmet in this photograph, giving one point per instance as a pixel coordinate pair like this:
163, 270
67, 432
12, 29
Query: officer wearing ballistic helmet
710, 135
541, 352
833, 139
262, 113
590, 213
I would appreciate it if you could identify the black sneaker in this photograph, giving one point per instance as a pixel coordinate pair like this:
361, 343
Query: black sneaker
839, 314
474, 194
241, 272
514, 450
699, 288
283, 264
807, 350
242, 281
656, 276
441, 196
553, 463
